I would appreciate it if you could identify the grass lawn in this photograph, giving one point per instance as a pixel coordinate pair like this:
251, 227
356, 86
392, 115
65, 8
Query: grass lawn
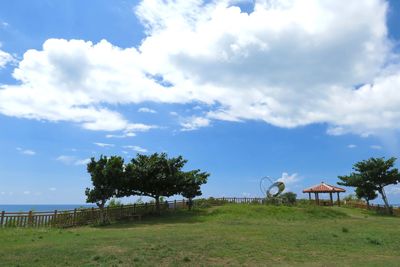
234, 235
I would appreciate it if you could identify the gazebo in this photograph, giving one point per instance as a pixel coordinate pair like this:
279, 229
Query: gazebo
324, 188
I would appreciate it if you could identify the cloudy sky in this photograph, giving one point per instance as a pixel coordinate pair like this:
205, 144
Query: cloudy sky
291, 89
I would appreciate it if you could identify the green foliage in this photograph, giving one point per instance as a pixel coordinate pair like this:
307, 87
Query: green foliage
372, 175
191, 183
106, 175
366, 192
289, 198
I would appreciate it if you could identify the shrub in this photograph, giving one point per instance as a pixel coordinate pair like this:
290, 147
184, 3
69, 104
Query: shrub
288, 198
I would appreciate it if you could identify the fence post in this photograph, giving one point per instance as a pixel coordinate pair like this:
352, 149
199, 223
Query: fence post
2, 218
92, 214
134, 208
30, 219
74, 222
55, 218
175, 204
234, 200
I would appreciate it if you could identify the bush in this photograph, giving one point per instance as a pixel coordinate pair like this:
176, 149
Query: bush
288, 198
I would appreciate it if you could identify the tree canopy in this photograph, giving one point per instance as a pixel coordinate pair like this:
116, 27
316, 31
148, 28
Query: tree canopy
372, 175
106, 174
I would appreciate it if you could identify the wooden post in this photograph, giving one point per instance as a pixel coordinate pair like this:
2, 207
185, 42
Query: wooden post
338, 199
134, 208
74, 218
30, 219
175, 204
316, 198
2, 219
330, 195
309, 196
55, 218
92, 214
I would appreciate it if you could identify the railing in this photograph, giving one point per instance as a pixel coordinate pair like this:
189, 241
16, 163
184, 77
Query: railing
76, 217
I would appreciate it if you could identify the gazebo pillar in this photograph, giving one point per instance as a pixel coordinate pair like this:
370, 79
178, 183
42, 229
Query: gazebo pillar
338, 199
330, 195
309, 196
316, 198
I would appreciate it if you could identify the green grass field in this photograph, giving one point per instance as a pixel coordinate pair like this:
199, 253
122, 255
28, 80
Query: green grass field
234, 235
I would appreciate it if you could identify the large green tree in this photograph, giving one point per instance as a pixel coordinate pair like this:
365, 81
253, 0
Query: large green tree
373, 174
154, 176
191, 186
106, 175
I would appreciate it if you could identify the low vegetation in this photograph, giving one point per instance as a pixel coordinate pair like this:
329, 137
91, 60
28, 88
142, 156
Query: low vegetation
232, 234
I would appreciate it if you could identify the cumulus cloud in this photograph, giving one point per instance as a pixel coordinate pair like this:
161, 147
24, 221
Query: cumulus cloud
287, 62
351, 146
289, 179
5, 58
194, 123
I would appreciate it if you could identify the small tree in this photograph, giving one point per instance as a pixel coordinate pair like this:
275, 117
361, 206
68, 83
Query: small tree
366, 192
106, 174
191, 185
289, 198
373, 175
154, 176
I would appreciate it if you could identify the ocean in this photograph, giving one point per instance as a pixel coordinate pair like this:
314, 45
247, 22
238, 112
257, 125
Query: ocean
27, 207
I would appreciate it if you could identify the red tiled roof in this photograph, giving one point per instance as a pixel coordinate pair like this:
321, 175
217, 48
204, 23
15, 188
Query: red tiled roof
323, 188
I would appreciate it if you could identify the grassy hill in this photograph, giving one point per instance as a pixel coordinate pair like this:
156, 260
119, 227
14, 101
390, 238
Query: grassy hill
234, 235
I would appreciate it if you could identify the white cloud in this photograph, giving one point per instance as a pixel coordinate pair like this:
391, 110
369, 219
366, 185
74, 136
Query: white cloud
27, 152
147, 110
173, 113
103, 144
52, 189
194, 123
136, 148
82, 161
377, 147
351, 146
287, 63
72, 160
289, 179
27, 192
5, 57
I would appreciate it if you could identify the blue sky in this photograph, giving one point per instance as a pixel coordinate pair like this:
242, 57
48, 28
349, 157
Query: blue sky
287, 91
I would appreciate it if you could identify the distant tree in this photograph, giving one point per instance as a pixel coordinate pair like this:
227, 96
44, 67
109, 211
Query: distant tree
191, 186
373, 175
366, 192
154, 176
106, 175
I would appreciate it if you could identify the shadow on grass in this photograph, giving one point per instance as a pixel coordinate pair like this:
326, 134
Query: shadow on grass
176, 217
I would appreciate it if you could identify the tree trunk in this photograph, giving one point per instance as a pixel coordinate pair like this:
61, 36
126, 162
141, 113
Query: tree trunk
190, 204
383, 194
158, 204
102, 215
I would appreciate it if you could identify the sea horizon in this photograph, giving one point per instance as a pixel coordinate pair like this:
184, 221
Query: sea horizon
42, 207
